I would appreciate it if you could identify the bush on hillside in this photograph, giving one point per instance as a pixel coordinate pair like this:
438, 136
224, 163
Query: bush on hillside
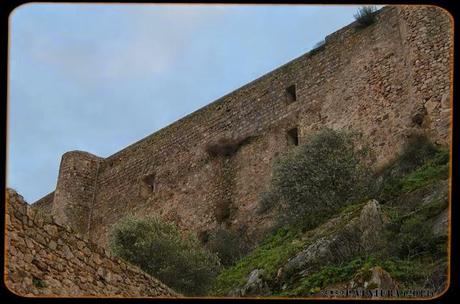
159, 249
410, 234
326, 173
228, 246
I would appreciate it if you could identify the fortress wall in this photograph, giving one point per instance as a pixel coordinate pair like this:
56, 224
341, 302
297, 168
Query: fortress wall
429, 46
45, 204
47, 259
75, 189
386, 81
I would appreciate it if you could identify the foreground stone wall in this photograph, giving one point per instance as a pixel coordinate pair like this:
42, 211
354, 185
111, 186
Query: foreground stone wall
44, 258
386, 81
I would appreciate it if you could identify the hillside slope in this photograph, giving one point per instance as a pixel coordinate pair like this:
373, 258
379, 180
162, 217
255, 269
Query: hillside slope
396, 240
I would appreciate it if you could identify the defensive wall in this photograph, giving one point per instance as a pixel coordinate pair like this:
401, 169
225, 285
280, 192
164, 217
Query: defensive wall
387, 80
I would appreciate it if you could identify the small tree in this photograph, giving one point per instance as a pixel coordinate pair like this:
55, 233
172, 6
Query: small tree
161, 250
326, 173
365, 16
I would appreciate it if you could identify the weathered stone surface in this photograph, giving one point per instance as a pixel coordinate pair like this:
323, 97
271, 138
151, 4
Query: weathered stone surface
59, 266
52, 245
255, 285
51, 229
358, 234
67, 253
445, 101
371, 222
381, 279
374, 278
440, 224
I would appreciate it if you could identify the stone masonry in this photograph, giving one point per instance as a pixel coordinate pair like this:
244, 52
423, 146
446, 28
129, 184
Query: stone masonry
386, 81
48, 259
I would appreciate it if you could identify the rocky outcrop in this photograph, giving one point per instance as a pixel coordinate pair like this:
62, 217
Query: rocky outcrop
45, 258
371, 224
441, 224
255, 285
374, 278
357, 234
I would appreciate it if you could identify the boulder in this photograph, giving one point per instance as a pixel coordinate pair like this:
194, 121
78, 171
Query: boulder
255, 285
380, 279
357, 234
371, 222
373, 278
440, 224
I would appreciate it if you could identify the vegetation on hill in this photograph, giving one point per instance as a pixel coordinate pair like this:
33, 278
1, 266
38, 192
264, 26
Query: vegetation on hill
326, 173
339, 224
228, 245
411, 190
161, 250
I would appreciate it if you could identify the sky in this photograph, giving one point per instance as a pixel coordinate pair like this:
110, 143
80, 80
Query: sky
98, 78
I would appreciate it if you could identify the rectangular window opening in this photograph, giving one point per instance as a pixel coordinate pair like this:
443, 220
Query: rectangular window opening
293, 137
291, 93
149, 182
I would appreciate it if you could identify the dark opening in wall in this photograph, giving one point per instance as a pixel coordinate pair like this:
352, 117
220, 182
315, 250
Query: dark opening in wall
293, 137
148, 185
222, 211
291, 94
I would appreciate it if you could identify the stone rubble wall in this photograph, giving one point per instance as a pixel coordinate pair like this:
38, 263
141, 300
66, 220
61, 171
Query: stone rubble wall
45, 204
46, 259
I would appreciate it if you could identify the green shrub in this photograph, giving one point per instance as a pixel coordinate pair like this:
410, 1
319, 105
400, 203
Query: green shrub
424, 176
228, 246
159, 249
421, 272
415, 237
418, 163
365, 16
410, 235
326, 173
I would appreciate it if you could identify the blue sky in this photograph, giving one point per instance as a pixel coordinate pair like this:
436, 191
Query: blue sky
99, 77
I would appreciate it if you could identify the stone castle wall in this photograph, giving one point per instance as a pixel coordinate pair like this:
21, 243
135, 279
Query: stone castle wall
45, 258
387, 80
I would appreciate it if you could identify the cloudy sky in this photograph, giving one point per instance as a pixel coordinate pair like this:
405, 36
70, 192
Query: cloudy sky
100, 77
